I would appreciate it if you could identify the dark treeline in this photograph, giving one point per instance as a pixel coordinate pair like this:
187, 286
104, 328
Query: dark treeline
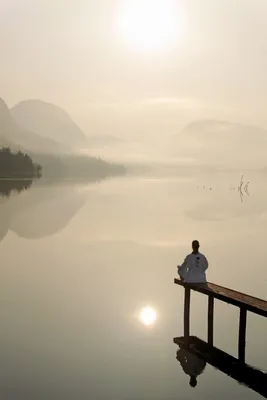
91, 167
13, 185
77, 167
18, 165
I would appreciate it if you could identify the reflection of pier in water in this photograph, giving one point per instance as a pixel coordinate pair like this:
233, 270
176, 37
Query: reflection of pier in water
229, 365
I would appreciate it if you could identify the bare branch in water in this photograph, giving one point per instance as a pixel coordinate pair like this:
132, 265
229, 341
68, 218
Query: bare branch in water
246, 188
241, 186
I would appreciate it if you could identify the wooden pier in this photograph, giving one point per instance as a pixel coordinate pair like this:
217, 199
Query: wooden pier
243, 301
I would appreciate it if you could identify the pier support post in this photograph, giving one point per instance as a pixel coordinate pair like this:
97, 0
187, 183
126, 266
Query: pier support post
242, 334
186, 315
210, 320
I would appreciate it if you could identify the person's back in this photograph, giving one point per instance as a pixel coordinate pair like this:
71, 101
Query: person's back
193, 269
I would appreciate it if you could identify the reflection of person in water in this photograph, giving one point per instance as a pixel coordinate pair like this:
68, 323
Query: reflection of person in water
191, 364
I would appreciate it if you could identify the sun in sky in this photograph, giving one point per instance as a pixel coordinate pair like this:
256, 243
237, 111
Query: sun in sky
150, 24
148, 316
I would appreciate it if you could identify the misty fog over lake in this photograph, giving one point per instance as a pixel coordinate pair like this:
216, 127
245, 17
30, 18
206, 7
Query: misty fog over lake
90, 257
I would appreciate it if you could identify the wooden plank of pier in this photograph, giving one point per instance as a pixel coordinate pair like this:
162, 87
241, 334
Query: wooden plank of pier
243, 373
244, 301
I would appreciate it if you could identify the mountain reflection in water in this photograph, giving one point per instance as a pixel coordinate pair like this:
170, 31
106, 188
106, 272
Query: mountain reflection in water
42, 211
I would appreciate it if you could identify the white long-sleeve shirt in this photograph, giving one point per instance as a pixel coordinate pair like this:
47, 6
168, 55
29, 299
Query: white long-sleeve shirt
193, 268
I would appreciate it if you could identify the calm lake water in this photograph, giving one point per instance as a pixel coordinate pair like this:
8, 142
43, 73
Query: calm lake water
80, 264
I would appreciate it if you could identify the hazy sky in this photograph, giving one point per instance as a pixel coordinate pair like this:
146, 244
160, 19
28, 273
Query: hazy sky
72, 54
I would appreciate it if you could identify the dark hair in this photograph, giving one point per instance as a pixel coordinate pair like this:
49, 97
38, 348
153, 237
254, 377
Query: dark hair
195, 243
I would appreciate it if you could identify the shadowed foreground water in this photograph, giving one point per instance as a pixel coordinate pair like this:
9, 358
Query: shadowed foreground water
88, 304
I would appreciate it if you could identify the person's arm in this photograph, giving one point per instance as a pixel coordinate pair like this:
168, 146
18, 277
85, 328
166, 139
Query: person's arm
180, 355
205, 263
182, 269
183, 264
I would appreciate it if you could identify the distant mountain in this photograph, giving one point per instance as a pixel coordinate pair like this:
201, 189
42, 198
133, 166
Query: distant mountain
216, 129
18, 138
49, 121
103, 140
223, 142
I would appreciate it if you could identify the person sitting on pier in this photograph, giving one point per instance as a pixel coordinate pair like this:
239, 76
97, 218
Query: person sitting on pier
193, 269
